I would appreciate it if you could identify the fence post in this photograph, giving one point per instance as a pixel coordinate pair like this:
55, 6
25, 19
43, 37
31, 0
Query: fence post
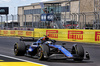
94, 27
32, 20
78, 20
18, 18
7, 20
12, 20
97, 20
73, 18
84, 19
25, 22
1, 22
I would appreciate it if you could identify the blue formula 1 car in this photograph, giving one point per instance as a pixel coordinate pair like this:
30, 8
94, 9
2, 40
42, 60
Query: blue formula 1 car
45, 48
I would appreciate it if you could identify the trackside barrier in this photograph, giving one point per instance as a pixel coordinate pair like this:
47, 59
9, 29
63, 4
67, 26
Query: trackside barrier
76, 35
16, 33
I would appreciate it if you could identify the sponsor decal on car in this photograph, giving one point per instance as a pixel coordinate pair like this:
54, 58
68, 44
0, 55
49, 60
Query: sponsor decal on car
52, 33
97, 36
34, 45
75, 35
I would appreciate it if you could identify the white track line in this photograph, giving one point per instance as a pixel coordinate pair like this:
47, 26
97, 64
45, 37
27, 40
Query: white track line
20, 59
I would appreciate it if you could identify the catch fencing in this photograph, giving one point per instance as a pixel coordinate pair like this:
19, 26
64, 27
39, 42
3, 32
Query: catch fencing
89, 20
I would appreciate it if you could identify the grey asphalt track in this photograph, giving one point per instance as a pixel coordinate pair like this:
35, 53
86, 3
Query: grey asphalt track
7, 43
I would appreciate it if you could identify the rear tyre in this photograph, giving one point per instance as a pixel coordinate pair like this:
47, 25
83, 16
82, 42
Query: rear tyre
79, 51
19, 49
43, 52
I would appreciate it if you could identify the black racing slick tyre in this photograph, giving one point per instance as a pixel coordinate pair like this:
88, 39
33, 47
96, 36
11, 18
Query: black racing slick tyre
43, 52
19, 48
79, 51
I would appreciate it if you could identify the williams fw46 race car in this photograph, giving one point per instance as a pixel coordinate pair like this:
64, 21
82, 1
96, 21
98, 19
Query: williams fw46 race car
45, 48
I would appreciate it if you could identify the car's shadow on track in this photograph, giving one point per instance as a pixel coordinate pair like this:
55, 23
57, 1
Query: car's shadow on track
70, 61
63, 60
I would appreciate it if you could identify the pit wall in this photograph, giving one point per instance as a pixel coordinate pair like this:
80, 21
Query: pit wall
76, 35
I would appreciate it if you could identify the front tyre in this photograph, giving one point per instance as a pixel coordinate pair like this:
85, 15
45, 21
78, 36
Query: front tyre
19, 49
43, 52
78, 50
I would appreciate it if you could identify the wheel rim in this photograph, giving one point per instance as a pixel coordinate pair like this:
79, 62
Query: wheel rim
39, 52
15, 49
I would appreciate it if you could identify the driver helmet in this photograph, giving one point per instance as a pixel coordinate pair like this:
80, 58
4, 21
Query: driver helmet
46, 38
